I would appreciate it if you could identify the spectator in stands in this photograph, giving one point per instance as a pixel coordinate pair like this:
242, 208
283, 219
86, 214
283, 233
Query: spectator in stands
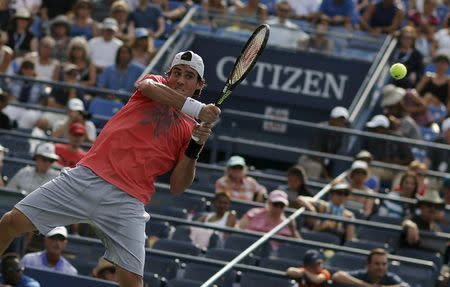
123, 74
430, 207
148, 16
103, 49
40, 24
319, 42
120, 12
5, 122
439, 157
419, 169
383, 150
47, 67
426, 18
20, 39
253, 10
393, 107
82, 22
359, 173
407, 54
441, 43
142, 47
105, 270
51, 258
382, 17
376, 274
5, 15
6, 53
326, 141
28, 178
238, 184
417, 108
178, 12
435, 88
372, 182
312, 273
222, 215
296, 184
75, 114
59, 96
12, 273
286, 33
42, 130
339, 194
335, 12
445, 190
26, 91
304, 9
69, 154
408, 188
78, 54
266, 218
60, 31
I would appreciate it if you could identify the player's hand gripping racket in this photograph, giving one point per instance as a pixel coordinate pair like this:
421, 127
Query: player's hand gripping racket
245, 62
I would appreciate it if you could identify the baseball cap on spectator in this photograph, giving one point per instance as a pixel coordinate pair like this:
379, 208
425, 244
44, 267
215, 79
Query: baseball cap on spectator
431, 197
110, 24
339, 112
360, 165
191, 59
364, 155
340, 187
60, 20
46, 150
312, 257
378, 121
445, 125
140, 33
22, 13
236, 161
441, 57
75, 105
278, 196
60, 230
77, 129
392, 95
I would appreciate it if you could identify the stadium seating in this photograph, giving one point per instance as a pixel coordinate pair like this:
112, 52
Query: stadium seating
202, 272
165, 267
160, 229
250, 279
228, 255
183, 283
291, 251
279, 264
240, 242
177, 246
346, 261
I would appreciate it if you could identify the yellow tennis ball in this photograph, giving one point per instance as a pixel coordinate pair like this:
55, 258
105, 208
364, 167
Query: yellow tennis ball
398, 71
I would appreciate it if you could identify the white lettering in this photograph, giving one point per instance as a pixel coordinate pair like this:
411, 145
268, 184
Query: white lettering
287, 86
311, 86
338, 90
258, 83
275, 85
220, 67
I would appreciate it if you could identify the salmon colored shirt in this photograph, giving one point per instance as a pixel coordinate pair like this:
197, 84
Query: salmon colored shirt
258, 221
144, 140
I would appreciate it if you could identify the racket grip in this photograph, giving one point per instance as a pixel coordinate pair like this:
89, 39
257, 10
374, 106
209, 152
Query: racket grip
196, 138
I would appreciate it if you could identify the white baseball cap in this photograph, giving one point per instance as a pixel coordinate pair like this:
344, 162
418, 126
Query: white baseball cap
46, 150
191, 59
360, 164
445, 125
75, 105
392, 95
339, 112
378, 121
60, 230
110, 24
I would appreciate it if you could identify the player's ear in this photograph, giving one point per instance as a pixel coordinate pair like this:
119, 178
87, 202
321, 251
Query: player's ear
200, 84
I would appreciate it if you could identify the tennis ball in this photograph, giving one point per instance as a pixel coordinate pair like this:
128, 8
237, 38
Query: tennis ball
398, 71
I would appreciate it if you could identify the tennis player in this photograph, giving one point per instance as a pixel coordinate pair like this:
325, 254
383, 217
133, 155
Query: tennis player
109, 187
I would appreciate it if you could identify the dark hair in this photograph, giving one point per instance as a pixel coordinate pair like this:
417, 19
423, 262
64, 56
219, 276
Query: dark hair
299, 171
376, 251
127, 47
7, 259
222, 194
416, 182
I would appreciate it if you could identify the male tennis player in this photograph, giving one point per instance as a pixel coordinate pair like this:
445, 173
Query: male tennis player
150, 136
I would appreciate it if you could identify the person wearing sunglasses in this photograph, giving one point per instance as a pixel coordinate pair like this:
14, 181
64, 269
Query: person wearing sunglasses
338, 197
12, 273
312, 274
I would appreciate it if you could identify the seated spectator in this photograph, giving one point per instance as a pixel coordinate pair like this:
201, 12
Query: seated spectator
393, 107
120, 12
339, 194
445, 190
75, 114
359, 173
319, 42
20, 39
105, 270
148, 16
266, 218
382, 17
441, 43
60, 32
123, 74
427, 18
435, 88
335, 12
6, 53
29, 178
5, 122
430, 206
286, 33
327, 142
60, 96
407, 54
215, 8
178, 12
304, 9
103, 49
42, 130
142, 47
82, 23
252, 10
376, 273
78, 54
296, 184
372, 182
420, 170
417, 108
71, 153
408, 188
12, 273
312, 273
439, 157
383, 150
238, 184
47, 68
26, 91
51, 258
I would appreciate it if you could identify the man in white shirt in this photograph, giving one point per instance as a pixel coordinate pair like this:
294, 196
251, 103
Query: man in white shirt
103, 49
304, 8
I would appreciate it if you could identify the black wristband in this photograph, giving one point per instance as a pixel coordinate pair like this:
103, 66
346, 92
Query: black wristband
193, 150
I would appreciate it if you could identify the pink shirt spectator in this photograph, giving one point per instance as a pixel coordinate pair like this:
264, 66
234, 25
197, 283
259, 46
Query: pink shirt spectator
259, 221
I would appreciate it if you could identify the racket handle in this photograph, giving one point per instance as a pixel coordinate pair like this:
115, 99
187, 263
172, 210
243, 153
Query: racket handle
196, 138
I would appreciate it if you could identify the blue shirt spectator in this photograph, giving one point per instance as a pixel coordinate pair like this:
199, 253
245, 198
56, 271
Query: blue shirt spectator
333, 8
148, 16
123, 74
12, 273
25, 281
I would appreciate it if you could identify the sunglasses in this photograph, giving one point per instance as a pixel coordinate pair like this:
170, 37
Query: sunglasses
278, 204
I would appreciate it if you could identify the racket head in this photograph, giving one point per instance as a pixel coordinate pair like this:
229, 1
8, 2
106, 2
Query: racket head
246, 60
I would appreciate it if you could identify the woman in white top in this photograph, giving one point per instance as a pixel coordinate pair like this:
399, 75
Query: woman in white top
222, 215
47, 68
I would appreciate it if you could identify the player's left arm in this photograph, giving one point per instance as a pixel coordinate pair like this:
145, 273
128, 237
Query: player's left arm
184, 172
